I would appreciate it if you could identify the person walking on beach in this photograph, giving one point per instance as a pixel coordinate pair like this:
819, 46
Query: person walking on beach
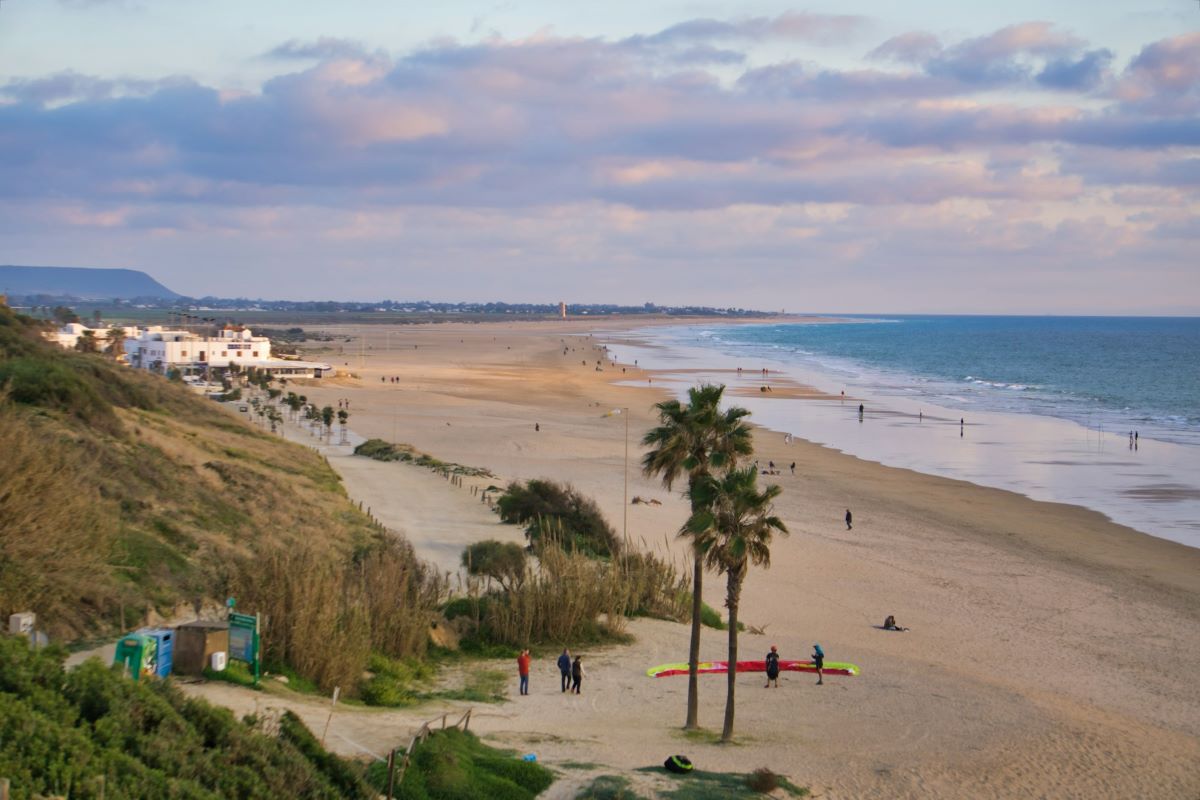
849, 520
861, 409
793, 467
564, 666
818, 658
523, 662
772, 665
576, 674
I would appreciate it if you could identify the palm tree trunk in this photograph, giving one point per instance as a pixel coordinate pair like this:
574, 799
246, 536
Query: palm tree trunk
733, 595
693, 707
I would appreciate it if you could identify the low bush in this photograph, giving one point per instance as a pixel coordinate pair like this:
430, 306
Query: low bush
380, 450
503, 562
453, 764
762, 780
549, 509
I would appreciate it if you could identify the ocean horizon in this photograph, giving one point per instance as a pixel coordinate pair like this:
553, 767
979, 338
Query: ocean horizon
1048, 404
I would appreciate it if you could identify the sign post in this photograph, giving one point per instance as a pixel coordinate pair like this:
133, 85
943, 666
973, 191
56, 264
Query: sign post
244, 641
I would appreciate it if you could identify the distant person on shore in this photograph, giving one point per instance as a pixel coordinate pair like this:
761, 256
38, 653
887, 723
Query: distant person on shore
523, 662
793, 467
849, 520
961, 422
537, 426
564, 667
772, 665
889, 624
861, 409
576, 674
818, 658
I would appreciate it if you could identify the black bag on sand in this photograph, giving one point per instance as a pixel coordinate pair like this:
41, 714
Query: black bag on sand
680, 765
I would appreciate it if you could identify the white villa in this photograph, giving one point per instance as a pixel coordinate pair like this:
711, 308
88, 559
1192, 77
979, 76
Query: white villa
161, 349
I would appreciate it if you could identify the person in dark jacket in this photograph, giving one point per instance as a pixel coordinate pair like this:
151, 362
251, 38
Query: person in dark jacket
576, 674
818, 658
772, 664
564, 666
849, 520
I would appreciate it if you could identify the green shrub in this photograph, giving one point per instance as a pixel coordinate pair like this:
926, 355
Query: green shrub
51, 383
549, 509
455, 765
503, 562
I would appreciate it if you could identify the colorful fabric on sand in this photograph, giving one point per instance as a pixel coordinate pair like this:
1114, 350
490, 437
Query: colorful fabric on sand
721, 667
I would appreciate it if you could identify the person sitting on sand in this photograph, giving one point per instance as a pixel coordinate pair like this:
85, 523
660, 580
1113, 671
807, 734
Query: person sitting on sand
772, 665
889, 624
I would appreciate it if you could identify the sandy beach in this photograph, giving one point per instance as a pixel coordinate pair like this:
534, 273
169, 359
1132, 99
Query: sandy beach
1050, 654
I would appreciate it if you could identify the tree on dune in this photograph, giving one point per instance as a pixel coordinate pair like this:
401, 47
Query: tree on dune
733, 529
116, 342
87, 343
693, 439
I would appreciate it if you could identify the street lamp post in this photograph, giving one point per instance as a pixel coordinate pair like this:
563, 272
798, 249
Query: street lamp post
624, 411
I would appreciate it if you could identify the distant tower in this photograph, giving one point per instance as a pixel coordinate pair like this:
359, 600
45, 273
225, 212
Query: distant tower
562, 310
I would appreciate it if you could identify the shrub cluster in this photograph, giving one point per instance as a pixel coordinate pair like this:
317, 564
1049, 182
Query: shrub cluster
380, 450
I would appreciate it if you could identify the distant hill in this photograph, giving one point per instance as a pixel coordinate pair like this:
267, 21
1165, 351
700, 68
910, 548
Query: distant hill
81, 283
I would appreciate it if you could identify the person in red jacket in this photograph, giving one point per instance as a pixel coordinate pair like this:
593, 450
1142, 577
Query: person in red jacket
523, 662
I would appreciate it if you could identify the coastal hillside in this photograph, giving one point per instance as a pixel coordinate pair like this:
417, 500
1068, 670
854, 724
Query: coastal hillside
82, 283
123, 493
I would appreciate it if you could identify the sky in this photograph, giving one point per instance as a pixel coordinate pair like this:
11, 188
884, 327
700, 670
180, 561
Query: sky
871, 157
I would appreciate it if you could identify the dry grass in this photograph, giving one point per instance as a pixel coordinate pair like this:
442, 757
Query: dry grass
570, 596
55, 535
323, 616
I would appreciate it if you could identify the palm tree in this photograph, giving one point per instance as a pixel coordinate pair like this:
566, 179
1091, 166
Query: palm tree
733, 530
116, 342
693, 439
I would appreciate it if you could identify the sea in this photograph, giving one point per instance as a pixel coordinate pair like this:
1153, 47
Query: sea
1045, 406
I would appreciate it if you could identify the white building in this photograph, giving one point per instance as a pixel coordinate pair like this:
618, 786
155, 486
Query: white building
161, 349
69, 335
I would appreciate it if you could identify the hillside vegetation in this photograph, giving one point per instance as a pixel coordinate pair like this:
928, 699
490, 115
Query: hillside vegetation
91, 733
121, 491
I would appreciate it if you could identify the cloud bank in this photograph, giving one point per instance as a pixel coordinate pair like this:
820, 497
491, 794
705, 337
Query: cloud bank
670, 159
